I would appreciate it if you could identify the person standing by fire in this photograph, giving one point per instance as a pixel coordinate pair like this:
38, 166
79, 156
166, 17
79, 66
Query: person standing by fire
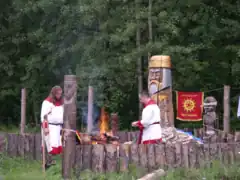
150, 129
52, 121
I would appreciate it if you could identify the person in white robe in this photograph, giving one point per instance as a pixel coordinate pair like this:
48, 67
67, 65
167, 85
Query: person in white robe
52, 121
149, 125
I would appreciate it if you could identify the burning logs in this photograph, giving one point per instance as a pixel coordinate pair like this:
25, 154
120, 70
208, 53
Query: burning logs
105, 138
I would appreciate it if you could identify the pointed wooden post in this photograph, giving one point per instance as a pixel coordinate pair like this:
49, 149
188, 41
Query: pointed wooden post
23, 111
70, 115
90, 110
226, 109
114, 123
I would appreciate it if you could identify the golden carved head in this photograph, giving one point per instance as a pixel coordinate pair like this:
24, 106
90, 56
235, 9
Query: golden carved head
160, 61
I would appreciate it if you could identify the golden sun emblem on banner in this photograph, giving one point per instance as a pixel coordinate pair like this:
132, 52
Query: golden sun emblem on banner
189, 105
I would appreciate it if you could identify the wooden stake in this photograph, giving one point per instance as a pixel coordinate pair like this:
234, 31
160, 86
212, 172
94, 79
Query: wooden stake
226, 109
171, 110
90, 110
43, 152
70, 109
114, 123
23, 111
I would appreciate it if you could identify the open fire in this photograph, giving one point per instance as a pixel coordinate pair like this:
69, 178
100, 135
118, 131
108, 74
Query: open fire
104, 136
104, 122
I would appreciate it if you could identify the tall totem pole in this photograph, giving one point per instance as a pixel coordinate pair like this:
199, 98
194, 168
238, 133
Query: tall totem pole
160, 87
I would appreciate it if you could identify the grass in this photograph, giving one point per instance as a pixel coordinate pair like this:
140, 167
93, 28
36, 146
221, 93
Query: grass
217, 171
20, 169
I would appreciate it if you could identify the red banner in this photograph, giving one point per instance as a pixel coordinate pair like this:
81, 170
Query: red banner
189, 106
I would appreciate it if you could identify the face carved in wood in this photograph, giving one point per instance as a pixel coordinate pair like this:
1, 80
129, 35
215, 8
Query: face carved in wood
155, 84
155, 80
210, 104
69, 92
210, 116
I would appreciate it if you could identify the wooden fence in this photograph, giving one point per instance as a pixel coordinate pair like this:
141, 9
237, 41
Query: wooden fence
105, 158
28, 146
198, 132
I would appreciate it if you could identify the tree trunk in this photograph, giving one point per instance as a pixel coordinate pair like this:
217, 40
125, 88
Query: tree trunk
150, 33
139, 60
34, 109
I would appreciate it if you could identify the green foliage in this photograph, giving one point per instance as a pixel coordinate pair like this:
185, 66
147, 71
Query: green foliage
42, 40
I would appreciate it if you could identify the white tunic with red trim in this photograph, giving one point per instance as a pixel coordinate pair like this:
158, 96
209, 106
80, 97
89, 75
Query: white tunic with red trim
150, 128
54, 114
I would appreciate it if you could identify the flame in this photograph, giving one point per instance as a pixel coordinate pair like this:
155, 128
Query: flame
104, 120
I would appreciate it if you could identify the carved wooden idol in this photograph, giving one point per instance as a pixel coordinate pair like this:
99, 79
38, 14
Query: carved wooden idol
160, 86
209, 117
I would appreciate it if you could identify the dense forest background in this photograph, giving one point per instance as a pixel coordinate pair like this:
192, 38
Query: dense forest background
107, 44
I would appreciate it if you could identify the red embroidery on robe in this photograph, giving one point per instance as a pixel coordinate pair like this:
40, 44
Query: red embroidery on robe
152, 141
45, 124
140, 126
56, 103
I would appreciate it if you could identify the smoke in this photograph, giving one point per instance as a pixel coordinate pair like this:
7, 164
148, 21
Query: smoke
83, 108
